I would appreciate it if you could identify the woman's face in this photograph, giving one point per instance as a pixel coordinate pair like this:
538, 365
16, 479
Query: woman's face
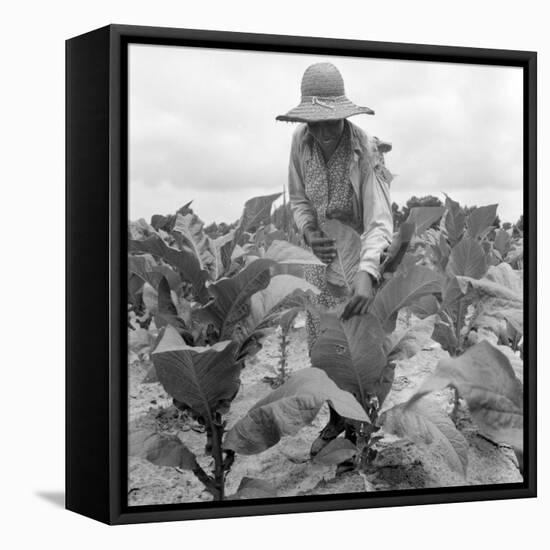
328, 132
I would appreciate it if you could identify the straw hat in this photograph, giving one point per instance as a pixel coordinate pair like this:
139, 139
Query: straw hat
323, 97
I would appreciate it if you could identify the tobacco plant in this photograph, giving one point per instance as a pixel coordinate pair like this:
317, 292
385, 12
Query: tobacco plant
214, 299
359, 354
212, 305
441, 276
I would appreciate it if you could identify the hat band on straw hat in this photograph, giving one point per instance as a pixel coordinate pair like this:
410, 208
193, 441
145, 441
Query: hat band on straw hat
322, 101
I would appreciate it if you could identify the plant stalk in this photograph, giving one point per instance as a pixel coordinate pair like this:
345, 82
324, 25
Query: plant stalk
217, 455
458, 327
284, 355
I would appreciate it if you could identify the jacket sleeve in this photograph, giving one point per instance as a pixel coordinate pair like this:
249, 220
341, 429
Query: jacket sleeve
377, 215
302, 209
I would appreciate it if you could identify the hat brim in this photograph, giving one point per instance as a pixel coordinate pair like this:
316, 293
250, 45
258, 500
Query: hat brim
313, 112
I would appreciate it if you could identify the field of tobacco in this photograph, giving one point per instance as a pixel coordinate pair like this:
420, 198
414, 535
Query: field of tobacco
225, 401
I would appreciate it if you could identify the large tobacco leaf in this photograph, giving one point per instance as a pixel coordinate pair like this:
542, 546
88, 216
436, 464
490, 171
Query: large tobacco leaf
485, 287
403, 290
440, 251
445, 335
503, 242
166, 223
484, 377
480, 221
336, 452
398, 248
161, 449
341, 272
284, 252
282, 292
256, 212
278, 303
224, 250
188, 230
499, 296
142, 266
205, 379
139, 229
231, 304
146, 270
468, 259
504, 275
424, 422
352, 354
184, 261
288, 409
454, 221
453, 291
140, 271
424, 217
251, 487
425, 306
167, 314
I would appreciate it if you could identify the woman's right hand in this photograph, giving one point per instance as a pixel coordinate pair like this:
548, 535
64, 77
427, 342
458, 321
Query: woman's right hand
322, 246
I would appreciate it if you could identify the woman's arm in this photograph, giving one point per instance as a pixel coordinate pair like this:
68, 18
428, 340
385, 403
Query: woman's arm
376, 237
377, 218
302, 209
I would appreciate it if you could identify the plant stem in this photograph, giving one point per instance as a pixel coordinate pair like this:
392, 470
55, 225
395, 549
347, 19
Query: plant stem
458, 326
217, 455
284, 346
454, 412
205, 479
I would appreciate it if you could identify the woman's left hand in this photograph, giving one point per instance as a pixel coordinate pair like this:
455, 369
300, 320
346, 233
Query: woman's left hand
362, 297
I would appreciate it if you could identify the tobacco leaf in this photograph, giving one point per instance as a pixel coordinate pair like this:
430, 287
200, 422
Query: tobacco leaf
352, 353
189, 231
161, 449
453, 221
398, 248
424, 217
183, 260
232, 297
485, 378
403, 290
336, 452
284, 252
467, 259
340, 274
425, 423
288, 409
251, 487
480, 220
205, 379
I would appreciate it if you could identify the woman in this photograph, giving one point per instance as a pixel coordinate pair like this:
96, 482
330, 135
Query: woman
337, 171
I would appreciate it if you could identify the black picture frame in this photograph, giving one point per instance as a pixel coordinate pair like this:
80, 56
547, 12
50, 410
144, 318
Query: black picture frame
96, 233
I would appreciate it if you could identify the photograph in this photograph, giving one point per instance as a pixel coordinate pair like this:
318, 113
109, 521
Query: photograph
325, 290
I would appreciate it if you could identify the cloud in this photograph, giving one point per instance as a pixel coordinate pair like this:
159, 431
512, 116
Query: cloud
202, 125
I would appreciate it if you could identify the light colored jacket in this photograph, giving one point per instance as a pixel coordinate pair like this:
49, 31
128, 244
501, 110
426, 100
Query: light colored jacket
370, 180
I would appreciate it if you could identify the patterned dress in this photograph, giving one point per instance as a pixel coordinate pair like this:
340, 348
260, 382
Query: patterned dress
328, 188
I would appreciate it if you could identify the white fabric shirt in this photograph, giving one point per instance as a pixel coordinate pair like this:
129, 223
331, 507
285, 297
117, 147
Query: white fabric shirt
370, 180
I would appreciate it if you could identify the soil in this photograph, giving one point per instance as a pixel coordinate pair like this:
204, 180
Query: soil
399, 464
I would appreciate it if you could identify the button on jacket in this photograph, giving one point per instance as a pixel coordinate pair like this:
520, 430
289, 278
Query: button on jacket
370, 180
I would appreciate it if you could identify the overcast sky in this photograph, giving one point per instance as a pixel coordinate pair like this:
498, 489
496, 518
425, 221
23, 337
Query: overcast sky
202, 127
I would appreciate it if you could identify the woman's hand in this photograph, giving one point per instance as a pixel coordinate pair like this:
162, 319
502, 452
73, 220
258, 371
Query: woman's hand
362, 297
322, 246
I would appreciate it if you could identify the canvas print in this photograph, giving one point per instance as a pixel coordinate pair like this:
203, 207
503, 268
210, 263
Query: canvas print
325, 275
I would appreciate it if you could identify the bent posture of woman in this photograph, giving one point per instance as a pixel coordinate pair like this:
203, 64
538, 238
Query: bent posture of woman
337, 171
